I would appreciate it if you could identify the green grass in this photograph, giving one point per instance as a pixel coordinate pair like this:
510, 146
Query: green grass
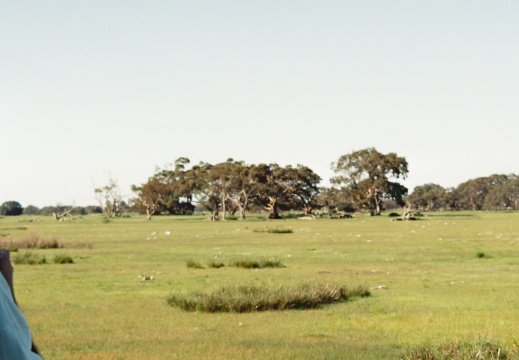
244, 298
439, 290
478, 350
28, 258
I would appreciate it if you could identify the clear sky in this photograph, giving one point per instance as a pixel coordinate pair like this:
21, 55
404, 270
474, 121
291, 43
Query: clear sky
99, 87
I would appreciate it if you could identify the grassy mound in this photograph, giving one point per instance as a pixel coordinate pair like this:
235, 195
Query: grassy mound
242, 299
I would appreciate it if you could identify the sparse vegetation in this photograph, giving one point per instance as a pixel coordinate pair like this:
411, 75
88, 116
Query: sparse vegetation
28, 258
480, 350
242, 299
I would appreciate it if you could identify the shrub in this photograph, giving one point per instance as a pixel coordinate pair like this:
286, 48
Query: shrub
280, 231
257, 263
29, 258
481, 350
192, 264
215, 263
242, 299
275, 231
63, 259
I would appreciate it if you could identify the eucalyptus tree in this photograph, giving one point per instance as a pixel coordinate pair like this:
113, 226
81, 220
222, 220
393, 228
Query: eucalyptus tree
150, 196
245, 184
303, 186
428, 197
471, 194
11, 208
368, 174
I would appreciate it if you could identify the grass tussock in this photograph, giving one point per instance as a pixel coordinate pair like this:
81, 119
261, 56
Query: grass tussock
31, 241
275, 230
79, 245
63, 259
193, 264
29, 258
239, 263
257, 263
244, 298
480, 350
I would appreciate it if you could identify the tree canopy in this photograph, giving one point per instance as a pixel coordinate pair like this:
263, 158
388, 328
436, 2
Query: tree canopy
368, 173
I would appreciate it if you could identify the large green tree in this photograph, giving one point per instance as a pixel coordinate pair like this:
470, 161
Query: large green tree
430, 197
150, 196
369, 175
11, 208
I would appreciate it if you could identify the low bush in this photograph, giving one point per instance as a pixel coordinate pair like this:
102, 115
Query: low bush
29, 258
63, 259
243, 299
215, 264
192, 264
280, 231
257, 263
275, 231
480, 350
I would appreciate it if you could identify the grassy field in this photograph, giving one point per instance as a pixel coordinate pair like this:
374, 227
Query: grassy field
450, 277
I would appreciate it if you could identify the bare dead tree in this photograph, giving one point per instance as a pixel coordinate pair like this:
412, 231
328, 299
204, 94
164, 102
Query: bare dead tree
109, 197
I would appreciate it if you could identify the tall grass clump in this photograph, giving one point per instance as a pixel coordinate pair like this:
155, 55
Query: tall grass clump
192, 264
257, 263
275, 230
244, 298
215, 264
63, 259
31, 241
29, 258
479, 350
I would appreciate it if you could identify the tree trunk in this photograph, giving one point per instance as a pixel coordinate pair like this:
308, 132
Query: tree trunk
223, 205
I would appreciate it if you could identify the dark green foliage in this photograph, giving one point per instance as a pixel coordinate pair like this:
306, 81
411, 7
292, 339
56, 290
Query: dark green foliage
482, 255
63, 259
29, 258
481, 350
243, 299
11, 208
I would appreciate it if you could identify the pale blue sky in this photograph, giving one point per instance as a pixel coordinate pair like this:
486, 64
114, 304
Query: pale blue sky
89, 88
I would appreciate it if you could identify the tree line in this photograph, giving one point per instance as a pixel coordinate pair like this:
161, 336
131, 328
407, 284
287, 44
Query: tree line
365, 180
